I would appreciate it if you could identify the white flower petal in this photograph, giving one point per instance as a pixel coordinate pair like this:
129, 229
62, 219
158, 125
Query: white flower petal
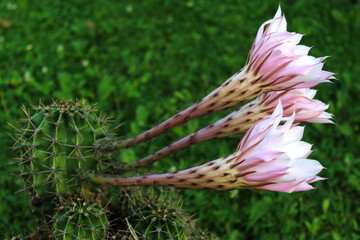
305, 168
301, 50
294, 134
297, 149
278, 12
303, 187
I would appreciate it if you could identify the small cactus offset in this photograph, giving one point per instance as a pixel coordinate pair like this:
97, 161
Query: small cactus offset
154, 214
80, 219
54, 143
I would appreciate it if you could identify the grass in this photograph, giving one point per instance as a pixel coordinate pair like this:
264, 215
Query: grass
144, 61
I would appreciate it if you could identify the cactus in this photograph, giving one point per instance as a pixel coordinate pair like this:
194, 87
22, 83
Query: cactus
80, 219
54, 143
55, 150
154, 214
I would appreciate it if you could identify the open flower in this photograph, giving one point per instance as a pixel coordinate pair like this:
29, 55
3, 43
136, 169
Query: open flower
299, 101
269, 157
279, 63
275, 63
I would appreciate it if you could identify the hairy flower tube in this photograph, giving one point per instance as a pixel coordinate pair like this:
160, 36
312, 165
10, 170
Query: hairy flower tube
269, 157
299, 101
276, 63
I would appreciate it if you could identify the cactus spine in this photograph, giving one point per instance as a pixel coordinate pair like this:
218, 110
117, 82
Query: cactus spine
154, 214
80, 219
54, 143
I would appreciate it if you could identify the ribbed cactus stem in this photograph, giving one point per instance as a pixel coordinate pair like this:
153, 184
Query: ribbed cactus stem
80, 219
241, 87
235, 123
54, 143
155, 213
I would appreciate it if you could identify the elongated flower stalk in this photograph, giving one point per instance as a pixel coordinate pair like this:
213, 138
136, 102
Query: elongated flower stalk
275, 63
269, 157
299, 101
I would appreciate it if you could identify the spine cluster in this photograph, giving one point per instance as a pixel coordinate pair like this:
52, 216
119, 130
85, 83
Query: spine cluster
55, 147
80, 219
154, 214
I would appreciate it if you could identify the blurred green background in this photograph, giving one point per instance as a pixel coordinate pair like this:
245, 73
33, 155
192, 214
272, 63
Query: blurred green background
142, 61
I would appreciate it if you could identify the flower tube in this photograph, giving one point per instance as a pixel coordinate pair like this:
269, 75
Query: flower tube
299, 101
269, 157
276, 63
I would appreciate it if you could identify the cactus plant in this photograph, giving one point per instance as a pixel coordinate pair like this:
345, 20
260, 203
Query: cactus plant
80, 219
154, 214
54, 143
55, 146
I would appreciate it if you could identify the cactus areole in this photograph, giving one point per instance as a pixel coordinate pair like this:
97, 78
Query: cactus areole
79, 219
54, 143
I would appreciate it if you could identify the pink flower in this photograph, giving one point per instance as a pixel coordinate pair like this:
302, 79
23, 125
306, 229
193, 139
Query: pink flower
269, 157
279, 63
276, 156
275, 63
299, 101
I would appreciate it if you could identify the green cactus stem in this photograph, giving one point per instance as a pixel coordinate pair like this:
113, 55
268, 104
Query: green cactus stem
155, 214
80, 219
55, 142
